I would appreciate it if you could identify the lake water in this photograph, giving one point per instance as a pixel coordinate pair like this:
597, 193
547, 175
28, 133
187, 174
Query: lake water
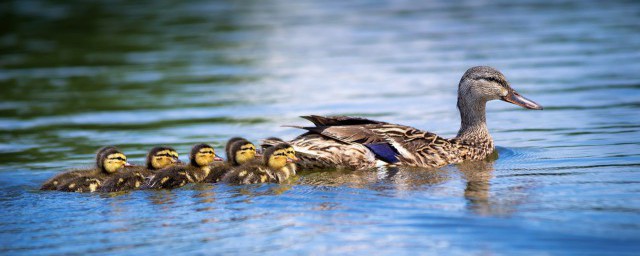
78, 76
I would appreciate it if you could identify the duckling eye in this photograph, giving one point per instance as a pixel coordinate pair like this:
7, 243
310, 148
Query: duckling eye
165, 155
207, 152
117, 158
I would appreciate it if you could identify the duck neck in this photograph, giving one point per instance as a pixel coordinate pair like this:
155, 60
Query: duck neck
473, 125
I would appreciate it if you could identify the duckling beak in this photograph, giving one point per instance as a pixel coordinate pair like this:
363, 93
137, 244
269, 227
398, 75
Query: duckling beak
514, 97
295, 159
289, 160
127, 164
217, 158
177, 161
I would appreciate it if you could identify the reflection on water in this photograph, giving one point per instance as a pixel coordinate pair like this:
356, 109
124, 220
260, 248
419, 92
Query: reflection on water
78, 75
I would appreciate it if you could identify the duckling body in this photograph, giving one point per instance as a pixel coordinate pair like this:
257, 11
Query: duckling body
89, 182
63, 178
128, 179
272, 169
178, 175
134, 177
359, 143
251, 173
201, 157
218, 170
109, 163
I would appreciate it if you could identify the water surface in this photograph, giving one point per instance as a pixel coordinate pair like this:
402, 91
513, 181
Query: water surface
77, 76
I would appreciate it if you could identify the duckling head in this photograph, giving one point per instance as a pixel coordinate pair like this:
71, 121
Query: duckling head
276, 157
481, 84
269, 142
100, 153
227, 148
112, 160
203, 155
241, 152
230, 142
161, 157
291, 153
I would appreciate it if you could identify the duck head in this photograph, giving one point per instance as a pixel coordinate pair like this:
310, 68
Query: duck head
241, 151
111, 160
161, 157
203, 155
276, 157
481, 84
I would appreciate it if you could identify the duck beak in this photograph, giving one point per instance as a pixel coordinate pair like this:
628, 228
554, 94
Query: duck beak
289, 160
514, 97
218, 158
295, 159
127, 164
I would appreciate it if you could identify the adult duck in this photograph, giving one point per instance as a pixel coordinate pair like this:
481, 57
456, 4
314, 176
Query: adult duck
358, 143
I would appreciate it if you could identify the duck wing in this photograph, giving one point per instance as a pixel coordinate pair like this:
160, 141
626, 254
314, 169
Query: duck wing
391, 143
339, 120
416, 147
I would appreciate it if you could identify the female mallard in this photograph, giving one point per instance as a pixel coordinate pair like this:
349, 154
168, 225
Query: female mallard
239, 151
358, 143
109, 162
134, 176
272, 169
200, 159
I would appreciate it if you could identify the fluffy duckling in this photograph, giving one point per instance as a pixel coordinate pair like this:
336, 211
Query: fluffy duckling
291, 152
239, 151
53, 183
272, 169
201, 157
109, 162
133, 177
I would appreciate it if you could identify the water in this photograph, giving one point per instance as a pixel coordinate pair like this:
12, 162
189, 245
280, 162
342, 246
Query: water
77, 76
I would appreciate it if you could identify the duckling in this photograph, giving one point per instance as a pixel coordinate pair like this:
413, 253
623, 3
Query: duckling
272, 169
110, 162
53, 183
133, 177
201, 156
291, 152
239, 151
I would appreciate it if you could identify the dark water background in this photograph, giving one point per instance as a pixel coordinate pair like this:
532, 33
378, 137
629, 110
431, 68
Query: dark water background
77, 75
